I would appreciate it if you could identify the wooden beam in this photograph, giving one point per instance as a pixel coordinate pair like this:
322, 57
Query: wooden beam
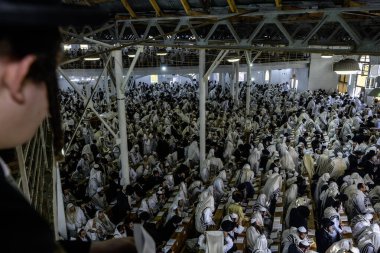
156, 7
232, 5
128, 7
278, 4
186, 7
350, 3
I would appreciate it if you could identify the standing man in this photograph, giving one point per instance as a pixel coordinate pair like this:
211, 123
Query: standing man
29, 49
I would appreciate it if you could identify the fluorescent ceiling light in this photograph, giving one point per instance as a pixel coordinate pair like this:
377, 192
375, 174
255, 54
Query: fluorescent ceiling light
161, 52
131, 53
66, 47
326, 56
348, 72
346, 67
83, 46
234, 57
92, 59
233, 60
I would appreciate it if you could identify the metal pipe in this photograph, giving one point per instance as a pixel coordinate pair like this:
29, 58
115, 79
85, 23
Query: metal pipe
236, 84
21, 165
202, 109
140, 49
249, 82
87, 106
122, 115
75, 87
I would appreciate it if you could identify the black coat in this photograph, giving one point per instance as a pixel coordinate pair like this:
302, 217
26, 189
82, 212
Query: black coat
324, 240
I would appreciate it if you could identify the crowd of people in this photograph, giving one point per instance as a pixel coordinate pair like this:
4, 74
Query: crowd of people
331, 138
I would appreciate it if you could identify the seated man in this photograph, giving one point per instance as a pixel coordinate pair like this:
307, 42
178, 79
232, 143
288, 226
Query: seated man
302, 247
323, 235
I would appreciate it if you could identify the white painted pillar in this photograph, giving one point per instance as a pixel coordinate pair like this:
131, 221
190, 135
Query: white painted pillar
106, 89
237, 83
202, 109
248, 95
233, 81
121, 115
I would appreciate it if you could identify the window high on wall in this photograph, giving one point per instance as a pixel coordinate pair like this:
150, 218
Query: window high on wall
267, 75
364, 58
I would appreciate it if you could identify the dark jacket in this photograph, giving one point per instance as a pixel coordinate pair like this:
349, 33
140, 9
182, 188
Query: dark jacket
324, 240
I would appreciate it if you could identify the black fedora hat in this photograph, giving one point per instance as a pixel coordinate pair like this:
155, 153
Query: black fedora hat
48, 13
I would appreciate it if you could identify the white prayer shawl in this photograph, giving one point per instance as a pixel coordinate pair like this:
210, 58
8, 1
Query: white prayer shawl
254, 159
272, 185
289, 237
251, 235
259, 218
261, 245
339, 167
193, 152
118, 235
344, 244
373, 239
218, 186
333, 215
294, 154
374, 194
211, 241
229, 150
91, 229
76, 219
374, 228
290, 195
203, 214
286, 161
358, 225
247, 175
195, 187
332, 191
94, 182
104, 224
321, 181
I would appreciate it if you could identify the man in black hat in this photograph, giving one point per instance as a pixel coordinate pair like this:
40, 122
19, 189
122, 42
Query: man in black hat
29, 50
323, 235
228, 226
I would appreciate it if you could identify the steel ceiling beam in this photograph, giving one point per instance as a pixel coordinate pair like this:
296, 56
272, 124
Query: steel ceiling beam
278, 18
353, 34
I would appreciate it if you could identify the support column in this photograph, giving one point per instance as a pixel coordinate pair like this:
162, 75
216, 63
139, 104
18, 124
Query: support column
106, 89
232, 85
202, 109
237, 84
123, 143
248, 95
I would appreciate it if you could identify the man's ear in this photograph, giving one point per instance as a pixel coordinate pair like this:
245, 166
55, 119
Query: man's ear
14, 76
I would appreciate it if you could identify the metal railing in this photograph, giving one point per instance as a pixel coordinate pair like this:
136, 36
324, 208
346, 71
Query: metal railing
36, 165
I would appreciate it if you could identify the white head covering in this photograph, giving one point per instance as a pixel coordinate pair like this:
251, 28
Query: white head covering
261, 244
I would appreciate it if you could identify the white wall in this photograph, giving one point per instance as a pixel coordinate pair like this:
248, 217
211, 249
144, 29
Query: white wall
278, 76
321, 75
302, 75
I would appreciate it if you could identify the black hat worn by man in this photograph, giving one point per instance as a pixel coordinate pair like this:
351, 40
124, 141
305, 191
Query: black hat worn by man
29, 46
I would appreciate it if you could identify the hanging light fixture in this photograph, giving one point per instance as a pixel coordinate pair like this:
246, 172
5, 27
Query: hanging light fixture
327, 56
234, 57
346, 67
131, 53
162, 52
92, 58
